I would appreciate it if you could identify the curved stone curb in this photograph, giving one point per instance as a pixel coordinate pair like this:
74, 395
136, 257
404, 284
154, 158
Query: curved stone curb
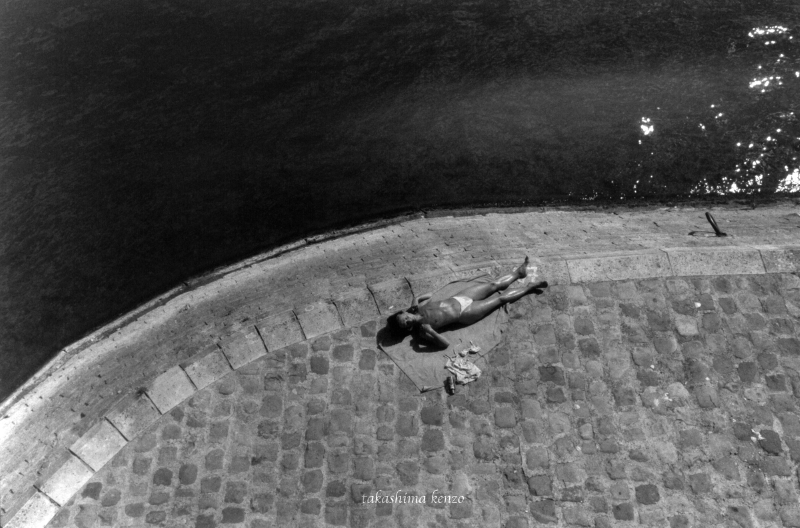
206, 278
137, 412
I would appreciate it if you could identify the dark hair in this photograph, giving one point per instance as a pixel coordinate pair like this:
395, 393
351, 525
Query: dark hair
393, 322
393, 333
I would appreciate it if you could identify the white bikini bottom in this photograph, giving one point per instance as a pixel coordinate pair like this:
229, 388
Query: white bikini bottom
464, 302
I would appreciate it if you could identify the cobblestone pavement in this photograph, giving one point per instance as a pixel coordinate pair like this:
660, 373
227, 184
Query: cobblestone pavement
660, 402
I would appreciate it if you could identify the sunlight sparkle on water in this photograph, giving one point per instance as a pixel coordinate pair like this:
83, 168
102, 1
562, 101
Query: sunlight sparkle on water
764, 81
791, 183
767, 30
646, 126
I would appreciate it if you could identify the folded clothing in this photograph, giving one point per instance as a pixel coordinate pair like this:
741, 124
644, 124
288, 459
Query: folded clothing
463, 369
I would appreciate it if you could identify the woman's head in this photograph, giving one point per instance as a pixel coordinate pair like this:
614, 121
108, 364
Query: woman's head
404, 320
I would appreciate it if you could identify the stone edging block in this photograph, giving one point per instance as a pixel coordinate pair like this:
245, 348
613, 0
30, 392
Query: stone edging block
318, 318
554, 271
619, 266
133, 415
422, 284
66, 482
687, 262
392, 295
208, 369
476, 270
170, 388
35, 513
780, 260
356, 307
280, 330
99, 445
243, 347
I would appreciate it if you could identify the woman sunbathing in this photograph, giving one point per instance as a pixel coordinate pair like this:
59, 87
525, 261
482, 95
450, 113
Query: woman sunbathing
467, 307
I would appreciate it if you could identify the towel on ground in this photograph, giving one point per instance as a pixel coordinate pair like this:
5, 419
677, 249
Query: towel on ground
423, 363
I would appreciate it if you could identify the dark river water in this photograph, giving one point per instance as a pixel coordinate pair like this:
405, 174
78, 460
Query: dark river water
143, 142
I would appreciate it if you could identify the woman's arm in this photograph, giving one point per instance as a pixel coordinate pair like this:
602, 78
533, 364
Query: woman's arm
423, 297
431, 335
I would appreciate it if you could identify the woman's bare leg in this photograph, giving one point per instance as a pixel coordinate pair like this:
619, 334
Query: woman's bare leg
482, 291
517, 293
480, 309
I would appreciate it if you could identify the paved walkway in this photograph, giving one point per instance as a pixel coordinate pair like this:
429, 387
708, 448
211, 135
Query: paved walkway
650, 384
